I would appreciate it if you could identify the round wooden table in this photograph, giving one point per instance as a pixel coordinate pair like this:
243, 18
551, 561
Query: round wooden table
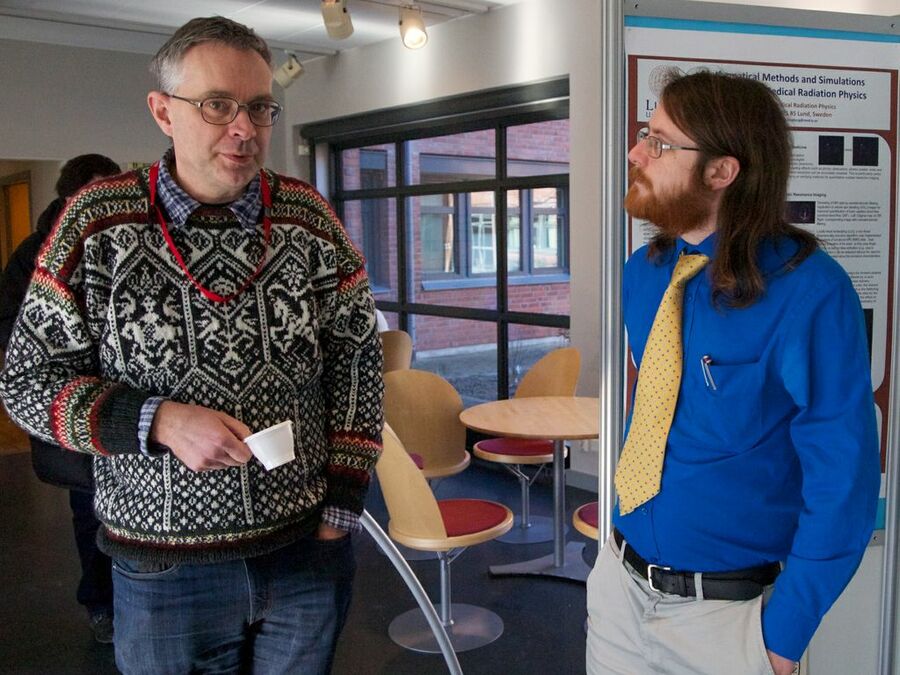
557, 418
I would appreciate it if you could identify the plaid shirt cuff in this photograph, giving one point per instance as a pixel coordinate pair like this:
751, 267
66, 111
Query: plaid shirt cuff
148, 412
342, 519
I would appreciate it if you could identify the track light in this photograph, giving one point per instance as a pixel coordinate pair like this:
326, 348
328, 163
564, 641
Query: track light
412, 27
287, 72
337, 19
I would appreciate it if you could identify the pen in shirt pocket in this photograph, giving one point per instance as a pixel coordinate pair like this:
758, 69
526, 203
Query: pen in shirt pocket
705, 363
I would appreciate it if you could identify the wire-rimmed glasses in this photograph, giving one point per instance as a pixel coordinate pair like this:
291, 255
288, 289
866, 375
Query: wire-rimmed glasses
655, 146
223, 110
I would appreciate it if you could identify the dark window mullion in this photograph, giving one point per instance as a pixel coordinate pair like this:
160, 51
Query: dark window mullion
464, 231
404, 272
527, 231
486, 185
500, 225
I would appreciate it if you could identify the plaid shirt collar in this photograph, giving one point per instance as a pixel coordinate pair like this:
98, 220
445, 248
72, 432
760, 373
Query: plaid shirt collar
179, 205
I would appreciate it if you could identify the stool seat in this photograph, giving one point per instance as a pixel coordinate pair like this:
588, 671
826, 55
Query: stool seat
469, 516
515, 450
585, 519
466, 522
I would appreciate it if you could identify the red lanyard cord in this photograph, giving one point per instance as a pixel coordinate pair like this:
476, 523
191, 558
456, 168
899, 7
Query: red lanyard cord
266, 194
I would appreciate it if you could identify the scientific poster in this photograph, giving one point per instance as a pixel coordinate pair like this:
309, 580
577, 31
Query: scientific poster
840, 96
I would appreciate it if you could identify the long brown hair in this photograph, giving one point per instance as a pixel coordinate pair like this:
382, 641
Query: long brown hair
730, 115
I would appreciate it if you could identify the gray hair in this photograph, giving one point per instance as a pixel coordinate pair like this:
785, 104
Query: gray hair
166, 65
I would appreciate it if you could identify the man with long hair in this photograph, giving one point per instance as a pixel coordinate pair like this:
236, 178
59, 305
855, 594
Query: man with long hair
749, 478
175, 310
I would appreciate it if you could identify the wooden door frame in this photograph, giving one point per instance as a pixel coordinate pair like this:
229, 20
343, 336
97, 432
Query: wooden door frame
6, 247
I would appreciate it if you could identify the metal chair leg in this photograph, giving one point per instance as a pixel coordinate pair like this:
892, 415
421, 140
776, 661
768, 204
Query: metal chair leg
468, 626
528, 529
412, 582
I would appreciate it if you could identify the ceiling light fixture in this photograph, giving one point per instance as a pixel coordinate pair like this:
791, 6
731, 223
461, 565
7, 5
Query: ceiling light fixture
412, 27
337, 19
287, 72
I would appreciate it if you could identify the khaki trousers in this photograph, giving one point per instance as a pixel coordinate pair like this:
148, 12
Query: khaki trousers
633, 630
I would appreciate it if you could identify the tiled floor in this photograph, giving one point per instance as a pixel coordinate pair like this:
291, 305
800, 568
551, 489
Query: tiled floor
44, 630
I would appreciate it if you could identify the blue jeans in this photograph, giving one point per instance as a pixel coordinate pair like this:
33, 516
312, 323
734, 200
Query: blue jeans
277, 613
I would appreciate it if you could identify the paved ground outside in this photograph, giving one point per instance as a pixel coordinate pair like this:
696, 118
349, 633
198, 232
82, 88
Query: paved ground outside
474, 371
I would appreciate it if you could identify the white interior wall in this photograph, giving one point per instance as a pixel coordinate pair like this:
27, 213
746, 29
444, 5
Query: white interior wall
59, 102
522, 43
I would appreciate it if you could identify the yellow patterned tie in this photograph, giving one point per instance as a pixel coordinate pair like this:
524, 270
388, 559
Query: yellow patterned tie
639, 470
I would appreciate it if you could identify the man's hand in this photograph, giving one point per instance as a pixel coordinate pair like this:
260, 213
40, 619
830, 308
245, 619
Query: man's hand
327, 532
202, 438
780, 665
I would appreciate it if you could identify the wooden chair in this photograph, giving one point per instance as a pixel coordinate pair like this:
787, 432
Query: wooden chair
585, 520
555, 374
445, 527
423, 409
398, 350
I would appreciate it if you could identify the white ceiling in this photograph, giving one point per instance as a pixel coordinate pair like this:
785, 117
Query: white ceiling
141, 26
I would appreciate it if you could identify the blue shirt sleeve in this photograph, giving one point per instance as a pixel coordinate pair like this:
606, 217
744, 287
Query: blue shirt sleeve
825, 369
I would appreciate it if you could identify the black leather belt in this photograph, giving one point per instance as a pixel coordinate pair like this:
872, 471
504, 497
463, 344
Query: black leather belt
737, 585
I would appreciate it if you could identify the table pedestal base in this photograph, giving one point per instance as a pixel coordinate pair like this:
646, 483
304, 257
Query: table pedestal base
540, 530
573, 567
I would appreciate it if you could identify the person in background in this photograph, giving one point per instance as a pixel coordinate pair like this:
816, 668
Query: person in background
748, 481
51, 463
175, 310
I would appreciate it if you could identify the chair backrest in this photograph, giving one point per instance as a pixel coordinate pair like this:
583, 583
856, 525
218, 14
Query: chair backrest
397, 347
411, 505
555, 374
423, 410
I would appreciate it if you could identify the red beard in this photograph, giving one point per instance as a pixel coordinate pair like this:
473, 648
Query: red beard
675, 213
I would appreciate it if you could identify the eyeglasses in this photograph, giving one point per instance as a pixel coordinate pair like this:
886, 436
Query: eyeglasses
224, 109
655, 146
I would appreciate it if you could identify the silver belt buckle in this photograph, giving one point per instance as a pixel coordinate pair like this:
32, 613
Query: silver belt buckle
650, 575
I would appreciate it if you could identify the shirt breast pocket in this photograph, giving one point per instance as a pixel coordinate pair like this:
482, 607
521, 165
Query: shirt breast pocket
725, 407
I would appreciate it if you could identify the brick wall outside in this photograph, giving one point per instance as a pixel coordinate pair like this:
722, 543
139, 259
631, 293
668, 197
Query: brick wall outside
544, 141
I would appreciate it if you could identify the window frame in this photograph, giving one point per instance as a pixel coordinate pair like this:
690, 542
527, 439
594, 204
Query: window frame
498, 109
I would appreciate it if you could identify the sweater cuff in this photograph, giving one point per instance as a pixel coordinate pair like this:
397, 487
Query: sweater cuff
117, 414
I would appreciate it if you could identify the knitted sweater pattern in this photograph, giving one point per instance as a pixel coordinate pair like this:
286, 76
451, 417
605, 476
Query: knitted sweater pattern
111, 319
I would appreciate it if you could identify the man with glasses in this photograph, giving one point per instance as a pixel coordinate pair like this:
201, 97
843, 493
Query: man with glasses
749, 477
175, 310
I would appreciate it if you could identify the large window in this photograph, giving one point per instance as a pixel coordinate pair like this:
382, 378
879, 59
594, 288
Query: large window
461, 209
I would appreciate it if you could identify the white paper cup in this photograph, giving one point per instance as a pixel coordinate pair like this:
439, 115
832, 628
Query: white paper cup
273, 446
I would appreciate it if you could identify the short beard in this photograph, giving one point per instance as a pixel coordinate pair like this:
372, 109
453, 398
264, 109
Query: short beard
674, 214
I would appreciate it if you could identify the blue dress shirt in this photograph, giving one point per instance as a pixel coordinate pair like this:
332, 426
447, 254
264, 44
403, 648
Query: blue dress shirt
773, 451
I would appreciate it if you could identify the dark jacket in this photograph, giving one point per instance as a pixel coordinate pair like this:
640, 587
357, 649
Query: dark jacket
52, 464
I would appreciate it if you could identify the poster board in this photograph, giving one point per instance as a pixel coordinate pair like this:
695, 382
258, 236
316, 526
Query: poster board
840, 91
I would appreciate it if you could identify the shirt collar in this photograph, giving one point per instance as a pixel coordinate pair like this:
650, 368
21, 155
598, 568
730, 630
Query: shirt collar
179, 205
707, 247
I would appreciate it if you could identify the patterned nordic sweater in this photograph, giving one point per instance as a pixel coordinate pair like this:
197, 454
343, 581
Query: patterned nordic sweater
110, 320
